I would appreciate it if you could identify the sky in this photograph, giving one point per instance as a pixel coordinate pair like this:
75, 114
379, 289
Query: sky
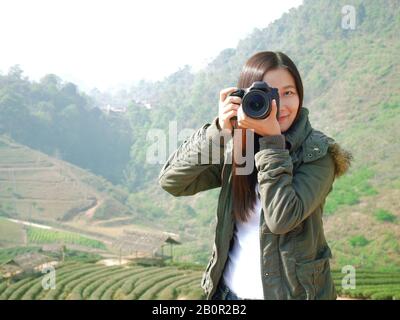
111, 44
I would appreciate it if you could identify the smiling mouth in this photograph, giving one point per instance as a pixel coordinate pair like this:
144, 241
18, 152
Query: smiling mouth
283, 117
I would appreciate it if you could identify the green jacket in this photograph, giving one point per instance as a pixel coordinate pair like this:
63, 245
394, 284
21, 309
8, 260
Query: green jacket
296, 171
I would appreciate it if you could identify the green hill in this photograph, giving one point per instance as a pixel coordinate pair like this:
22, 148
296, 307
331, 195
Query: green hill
351, 80
37, 188
53, 116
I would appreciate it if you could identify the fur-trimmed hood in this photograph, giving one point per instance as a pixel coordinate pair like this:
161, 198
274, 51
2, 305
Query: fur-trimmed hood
315, 144
341, 157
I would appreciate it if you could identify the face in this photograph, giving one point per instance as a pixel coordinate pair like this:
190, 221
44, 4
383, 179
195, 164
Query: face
289, 98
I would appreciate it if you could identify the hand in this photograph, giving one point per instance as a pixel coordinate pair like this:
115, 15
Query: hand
228, 107
264, 127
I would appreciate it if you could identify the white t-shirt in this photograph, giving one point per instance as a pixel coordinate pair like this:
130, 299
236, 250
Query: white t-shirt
242, 272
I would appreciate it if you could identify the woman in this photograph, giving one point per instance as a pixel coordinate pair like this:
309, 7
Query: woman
269, 240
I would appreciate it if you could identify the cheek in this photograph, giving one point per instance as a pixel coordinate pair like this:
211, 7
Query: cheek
291, 103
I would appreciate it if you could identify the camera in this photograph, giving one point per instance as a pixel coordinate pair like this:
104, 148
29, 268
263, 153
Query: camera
257, 100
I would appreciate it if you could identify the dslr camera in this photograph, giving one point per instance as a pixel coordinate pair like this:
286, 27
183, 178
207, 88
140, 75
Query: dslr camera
257, 100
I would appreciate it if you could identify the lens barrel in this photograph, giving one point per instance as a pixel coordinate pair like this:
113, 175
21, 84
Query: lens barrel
256, 104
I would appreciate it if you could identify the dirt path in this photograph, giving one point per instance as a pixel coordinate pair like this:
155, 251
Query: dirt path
90, 212
31, 224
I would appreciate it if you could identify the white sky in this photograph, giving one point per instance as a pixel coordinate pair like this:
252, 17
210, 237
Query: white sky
110, 43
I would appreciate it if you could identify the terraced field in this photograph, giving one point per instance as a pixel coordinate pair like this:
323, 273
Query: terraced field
371, 285
37, 187
91, 281
41, 236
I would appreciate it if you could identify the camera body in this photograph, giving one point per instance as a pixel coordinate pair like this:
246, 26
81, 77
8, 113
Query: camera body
257, 100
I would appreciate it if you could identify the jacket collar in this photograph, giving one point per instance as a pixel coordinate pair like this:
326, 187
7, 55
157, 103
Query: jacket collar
299, 131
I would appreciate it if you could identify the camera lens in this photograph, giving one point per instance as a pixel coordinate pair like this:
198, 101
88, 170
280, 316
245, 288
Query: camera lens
256, 104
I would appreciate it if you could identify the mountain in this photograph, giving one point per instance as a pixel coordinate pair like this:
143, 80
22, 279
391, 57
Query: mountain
37, 188
351, 79
53, 116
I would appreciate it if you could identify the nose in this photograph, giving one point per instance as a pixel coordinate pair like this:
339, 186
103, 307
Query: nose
283, 109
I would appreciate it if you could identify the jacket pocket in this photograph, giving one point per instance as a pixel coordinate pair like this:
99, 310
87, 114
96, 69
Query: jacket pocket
315, 278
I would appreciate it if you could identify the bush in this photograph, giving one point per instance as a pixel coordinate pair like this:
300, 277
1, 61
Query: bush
358, 241
384, 215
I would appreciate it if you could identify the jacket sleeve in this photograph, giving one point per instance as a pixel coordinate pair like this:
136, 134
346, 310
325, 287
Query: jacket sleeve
196, 165
288, 198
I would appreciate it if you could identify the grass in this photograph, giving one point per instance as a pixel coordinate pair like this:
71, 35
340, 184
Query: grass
384, 216
381, 253
359, 241
10, 233
348, 190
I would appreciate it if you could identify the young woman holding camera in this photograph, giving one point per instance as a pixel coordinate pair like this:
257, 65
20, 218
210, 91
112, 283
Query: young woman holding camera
269, 240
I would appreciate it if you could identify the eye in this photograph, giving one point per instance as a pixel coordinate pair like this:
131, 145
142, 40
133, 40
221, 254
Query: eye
289, 93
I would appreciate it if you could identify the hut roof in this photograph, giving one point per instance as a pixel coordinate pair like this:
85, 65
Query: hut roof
53, 247
30, 260
145, 241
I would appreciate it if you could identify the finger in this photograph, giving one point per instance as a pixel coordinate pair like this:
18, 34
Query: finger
241, 114
224, 93
230, 114
274, 108
230, 99
230, 107
243, 124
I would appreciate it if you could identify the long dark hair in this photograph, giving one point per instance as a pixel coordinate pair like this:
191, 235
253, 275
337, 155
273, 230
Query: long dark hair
243, 186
